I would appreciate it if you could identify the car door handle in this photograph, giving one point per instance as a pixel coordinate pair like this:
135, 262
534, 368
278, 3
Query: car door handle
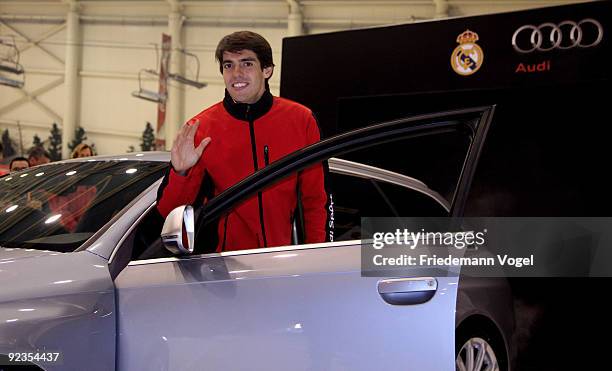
407, 291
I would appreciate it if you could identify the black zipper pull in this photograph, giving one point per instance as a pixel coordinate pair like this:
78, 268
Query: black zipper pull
266, 155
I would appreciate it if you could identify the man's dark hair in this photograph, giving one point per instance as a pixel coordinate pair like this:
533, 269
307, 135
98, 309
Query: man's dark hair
38, 152
248, 40
15, 159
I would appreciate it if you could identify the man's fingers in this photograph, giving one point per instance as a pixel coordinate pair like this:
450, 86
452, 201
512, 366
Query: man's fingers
186, 134
182, 132
203, 144
184, 129
193, 129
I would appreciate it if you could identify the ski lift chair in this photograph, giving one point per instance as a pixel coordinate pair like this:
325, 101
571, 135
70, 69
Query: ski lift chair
145, 94
9, 57
9, 63
184, 80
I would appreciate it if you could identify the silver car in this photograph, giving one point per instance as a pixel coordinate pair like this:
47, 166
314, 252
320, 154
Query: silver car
88, 284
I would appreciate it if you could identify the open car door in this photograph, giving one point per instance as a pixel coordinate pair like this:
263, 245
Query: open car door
308, 306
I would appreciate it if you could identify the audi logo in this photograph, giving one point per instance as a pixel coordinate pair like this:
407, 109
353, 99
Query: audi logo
565, 35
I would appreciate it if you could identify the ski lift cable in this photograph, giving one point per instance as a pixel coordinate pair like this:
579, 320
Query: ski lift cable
113, 44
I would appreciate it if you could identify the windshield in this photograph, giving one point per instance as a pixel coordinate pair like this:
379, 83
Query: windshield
59, 206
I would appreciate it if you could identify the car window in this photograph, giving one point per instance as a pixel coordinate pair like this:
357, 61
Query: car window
356, 197
435, 160
59, 206
424, 176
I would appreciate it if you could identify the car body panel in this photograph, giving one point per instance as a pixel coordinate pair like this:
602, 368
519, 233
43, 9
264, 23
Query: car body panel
58, 303
280, 308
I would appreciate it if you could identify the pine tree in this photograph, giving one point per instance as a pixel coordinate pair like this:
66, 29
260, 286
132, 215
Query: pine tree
7, 144
55, 143
79, 137
36, 142
148, 138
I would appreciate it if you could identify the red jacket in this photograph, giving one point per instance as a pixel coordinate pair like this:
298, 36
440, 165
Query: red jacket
245, 138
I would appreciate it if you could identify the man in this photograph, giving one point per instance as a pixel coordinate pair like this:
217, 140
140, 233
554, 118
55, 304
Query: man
245, 132
38, 156
19, 163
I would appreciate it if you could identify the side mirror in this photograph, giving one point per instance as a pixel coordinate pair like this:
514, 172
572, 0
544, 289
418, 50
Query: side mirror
178, 232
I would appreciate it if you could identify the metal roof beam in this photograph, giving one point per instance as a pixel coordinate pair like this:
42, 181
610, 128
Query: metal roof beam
32, 42
30, 96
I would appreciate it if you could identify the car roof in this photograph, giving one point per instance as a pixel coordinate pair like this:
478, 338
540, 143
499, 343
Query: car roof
156, 156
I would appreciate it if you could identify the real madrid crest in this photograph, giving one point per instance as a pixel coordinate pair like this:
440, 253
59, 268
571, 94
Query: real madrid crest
467, 57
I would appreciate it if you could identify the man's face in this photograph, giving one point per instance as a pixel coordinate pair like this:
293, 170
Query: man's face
39, 160
19, 165
244, 79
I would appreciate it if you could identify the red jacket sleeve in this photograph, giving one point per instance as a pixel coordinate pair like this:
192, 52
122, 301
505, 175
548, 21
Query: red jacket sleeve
314, 195
177, 190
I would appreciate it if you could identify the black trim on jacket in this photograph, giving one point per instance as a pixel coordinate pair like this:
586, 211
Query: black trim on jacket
250, 113
255, 110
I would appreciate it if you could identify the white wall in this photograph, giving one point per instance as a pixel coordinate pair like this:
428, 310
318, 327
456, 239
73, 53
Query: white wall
116, 42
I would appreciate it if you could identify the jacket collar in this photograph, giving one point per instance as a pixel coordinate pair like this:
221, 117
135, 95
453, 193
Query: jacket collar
249, 112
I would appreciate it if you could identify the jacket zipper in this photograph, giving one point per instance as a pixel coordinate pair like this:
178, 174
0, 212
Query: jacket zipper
260, 197
266, 155
256, 167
